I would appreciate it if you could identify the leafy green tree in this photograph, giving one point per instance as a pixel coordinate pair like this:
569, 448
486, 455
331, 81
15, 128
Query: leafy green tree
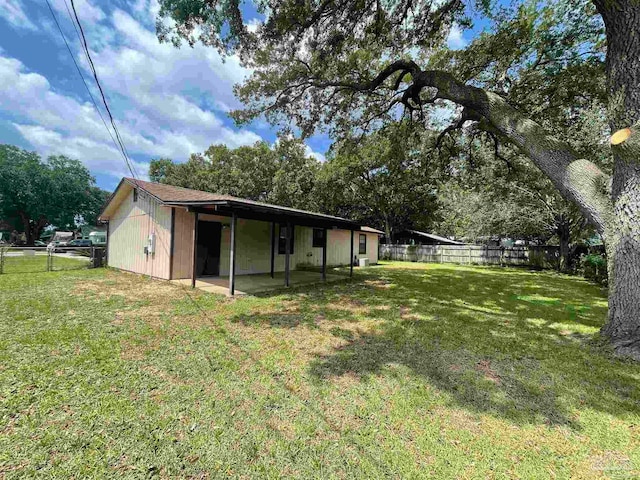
159, 169
34, 193
499, 193
348, 65
378, 181
283, 174
295, 176
245, 172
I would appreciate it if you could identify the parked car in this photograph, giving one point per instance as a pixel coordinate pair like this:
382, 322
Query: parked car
99, 239
80, 242
60, 239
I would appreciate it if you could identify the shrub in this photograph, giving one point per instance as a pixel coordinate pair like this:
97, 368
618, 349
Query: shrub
594, 267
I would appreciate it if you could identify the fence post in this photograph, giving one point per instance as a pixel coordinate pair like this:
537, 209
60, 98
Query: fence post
1, 260
469, 254
441, 254
49, 260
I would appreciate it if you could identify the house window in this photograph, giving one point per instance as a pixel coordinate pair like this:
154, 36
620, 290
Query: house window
282, 240
135, 194
318, 237
363, 244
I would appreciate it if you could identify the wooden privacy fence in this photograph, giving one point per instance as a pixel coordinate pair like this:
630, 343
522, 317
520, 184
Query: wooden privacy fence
542, 257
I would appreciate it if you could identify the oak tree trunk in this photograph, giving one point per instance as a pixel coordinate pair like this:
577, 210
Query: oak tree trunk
27, 227
387, 230
564, 238
622, 21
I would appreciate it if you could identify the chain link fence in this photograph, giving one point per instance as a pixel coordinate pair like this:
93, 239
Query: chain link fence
16, 260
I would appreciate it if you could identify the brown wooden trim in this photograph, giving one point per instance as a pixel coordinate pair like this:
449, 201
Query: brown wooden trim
106, 246
278, 218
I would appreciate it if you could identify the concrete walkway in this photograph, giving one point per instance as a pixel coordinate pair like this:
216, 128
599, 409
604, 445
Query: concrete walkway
251, 284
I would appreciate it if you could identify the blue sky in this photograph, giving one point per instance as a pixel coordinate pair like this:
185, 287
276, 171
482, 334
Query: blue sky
167, 102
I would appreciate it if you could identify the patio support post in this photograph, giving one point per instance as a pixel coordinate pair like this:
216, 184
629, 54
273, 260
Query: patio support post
287, 249
273, 246
324, 255
232, 256
351, 257
195, 250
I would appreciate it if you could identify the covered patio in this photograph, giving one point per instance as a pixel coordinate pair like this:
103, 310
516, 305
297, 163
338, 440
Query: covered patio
283, 217
258, 283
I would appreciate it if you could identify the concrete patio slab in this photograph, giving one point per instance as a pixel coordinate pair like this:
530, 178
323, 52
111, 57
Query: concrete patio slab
259, 283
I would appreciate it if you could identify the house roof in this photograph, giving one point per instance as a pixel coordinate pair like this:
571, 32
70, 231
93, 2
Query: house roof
437, 238
214, 203
371, 230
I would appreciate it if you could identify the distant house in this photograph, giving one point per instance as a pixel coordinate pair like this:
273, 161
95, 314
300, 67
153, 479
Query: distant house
177, 233
414, 237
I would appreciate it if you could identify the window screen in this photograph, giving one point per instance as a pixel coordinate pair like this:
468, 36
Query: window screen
282, 240
363, 244
318, 237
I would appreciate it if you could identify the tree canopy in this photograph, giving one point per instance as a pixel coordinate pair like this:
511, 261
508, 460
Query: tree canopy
36, 193
284, 174
377, 180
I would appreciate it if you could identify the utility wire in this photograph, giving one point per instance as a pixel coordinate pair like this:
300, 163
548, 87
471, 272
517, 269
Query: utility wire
83, 43
95, 104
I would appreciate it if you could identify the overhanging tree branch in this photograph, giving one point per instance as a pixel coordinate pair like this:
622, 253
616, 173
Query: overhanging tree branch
577, 179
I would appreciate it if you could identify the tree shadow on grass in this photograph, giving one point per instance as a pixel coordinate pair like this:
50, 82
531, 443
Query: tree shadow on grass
297, 309
472, 382
521, 345
513, 343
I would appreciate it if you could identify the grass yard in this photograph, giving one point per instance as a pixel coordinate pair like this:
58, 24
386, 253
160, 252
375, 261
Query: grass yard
38, 263
409, 371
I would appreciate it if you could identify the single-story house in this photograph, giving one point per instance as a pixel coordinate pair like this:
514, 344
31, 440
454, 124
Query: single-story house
172, 233
414, 237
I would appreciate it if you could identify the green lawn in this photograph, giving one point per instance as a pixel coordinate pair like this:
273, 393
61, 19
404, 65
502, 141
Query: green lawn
38, 263
409, 371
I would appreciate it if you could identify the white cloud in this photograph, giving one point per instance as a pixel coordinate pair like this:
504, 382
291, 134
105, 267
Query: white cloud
166, 101
87, 12
456, 40
13, 12
317, 155
177, 128
97, 156
253, 24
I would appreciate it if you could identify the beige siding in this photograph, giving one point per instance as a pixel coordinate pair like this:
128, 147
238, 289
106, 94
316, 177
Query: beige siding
253, 243
129, 229
183, 243
132, 223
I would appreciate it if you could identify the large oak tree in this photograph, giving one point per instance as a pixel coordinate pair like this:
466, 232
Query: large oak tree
283, 173
36, 193
346, 65
377, 181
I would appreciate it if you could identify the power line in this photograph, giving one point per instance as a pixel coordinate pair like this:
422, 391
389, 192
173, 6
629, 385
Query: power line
83, 43
95, 104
